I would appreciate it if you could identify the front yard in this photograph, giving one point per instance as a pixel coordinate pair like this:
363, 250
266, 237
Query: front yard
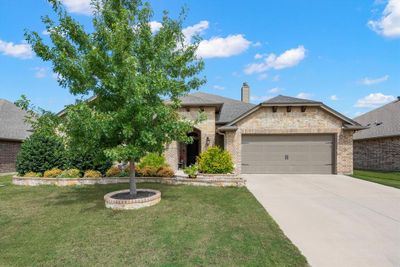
386, 178
191, 226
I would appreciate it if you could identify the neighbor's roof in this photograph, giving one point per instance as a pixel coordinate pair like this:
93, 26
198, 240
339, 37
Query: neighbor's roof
12, 122
382, 122
230, 109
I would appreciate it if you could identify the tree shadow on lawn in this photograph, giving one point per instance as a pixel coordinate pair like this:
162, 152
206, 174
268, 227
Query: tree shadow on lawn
91, 197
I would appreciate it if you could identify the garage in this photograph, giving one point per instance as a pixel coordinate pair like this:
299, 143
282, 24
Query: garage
308, 154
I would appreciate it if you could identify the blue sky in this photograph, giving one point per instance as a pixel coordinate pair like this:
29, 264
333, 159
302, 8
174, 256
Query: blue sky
345, 53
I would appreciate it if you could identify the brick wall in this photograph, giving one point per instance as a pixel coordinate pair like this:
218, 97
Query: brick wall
377, 154
8, 155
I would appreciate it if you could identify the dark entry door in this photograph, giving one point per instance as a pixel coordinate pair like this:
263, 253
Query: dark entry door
192, 151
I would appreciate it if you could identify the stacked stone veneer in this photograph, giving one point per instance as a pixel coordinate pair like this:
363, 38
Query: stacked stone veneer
206, 128
314, 120
8, 155
382, 154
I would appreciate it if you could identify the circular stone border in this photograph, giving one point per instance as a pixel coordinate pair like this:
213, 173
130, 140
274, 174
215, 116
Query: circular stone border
131, 204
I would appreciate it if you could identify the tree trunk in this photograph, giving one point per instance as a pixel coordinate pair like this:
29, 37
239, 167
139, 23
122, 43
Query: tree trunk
132, 178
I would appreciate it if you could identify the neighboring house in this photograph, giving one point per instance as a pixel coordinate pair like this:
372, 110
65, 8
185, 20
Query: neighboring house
13, 130
281, 135
378, 147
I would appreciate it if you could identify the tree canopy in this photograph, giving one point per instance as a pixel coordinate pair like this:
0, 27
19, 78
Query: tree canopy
129, 69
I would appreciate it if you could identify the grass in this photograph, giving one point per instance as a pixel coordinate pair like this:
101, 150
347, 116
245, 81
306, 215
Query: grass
386, 178
191, 226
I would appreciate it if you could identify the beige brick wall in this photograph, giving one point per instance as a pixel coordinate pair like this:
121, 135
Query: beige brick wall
314, 121
381, 154
206, 127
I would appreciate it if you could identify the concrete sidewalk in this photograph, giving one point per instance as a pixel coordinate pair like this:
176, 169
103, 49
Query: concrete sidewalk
334, 220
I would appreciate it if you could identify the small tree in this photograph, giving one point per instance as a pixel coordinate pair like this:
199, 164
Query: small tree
131, 71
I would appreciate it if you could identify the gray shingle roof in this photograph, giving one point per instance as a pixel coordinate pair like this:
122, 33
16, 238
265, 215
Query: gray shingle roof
382, 122
230, 110
281, 99
12, 122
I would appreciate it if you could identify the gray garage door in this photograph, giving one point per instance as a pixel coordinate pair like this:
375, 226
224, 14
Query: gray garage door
287, 154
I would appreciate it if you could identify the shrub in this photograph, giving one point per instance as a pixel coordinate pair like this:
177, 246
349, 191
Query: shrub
92, 174
191, 171
165, 172
92, 160
114, 171
71, 173
53, 173
152, 160
215, 160
33, 174
40, 153
147, 171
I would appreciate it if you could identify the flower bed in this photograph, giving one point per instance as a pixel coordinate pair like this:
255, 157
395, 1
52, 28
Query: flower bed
201, 180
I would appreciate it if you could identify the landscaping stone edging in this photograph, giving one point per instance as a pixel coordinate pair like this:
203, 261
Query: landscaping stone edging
201, 180
131, 204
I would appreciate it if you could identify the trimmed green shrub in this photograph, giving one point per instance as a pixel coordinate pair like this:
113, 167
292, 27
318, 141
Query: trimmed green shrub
40, 153
71, 173
154, 160
215, 160
114, 171
93, 160
191, 171
92, 174
53, 173
33, 174
147, 171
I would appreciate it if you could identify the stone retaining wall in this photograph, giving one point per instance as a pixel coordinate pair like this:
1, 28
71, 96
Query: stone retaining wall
214, 180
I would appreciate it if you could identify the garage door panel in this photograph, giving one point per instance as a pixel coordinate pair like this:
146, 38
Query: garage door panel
287, 153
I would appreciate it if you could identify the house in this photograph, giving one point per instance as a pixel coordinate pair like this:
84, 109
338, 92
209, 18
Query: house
281, 135
13, 130
378, 147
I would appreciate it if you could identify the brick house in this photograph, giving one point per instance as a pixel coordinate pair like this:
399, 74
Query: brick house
378, 147
281, 135
13, 130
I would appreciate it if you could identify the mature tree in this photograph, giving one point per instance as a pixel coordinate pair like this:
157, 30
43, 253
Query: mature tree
131, 71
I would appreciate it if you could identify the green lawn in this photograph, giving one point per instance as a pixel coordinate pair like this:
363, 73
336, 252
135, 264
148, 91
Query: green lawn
385, 178
191, 226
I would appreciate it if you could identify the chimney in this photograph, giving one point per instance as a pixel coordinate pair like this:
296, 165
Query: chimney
245, 93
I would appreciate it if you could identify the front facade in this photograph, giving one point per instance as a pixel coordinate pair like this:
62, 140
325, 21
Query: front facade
281, 135
378, 147
13, 130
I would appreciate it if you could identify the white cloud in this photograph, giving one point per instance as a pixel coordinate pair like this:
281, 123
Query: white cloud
197, 29
334, 98
258, 56
82, 7
287, 59
40, 72
256, 98
369, 81
374, 100
257, 44
218, 87
223, 47
262, 76
275, 90
389, 24
304, 95
23, 51
155, 26
276, 78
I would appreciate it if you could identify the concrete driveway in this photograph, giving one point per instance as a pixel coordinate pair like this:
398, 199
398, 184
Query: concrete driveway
334, 220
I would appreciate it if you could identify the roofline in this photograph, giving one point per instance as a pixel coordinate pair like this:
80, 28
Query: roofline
377, 137
316, 104
12, 139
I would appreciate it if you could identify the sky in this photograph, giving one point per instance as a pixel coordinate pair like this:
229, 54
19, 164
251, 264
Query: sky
345, 53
